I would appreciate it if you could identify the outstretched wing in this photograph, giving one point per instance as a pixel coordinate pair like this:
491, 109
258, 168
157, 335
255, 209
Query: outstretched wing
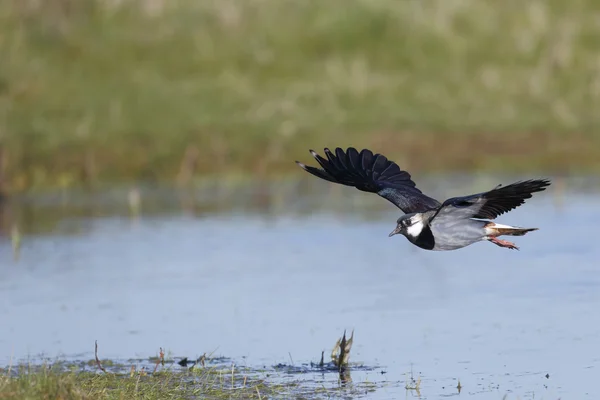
491, 204
372, 173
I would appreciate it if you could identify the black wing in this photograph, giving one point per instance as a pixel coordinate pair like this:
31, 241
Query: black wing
372, 173
491, 204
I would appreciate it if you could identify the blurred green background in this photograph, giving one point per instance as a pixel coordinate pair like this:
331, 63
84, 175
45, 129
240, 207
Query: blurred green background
107, 91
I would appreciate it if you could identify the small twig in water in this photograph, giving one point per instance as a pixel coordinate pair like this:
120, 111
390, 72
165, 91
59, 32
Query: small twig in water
291, 359
201, 360
10, 362
97, 359
161, 359
232, 377
414, 384
258, 393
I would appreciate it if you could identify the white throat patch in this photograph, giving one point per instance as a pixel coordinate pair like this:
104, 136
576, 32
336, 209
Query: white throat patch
415, 229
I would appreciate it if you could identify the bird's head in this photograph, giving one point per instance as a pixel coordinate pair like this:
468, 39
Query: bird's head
409, 225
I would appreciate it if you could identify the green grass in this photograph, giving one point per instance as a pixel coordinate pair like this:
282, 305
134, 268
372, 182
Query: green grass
161, 377
71, 381
54, 383
91, 91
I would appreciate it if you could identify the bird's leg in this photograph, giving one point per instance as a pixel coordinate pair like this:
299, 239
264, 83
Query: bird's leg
503, 243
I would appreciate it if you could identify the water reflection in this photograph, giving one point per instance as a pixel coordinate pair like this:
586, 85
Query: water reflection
35, 213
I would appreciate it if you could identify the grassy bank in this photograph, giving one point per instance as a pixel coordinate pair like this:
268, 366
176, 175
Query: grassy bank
53, 382
98, 90
164, 378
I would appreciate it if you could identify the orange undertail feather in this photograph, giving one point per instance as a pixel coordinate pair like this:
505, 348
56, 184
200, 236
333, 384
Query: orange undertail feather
493, 230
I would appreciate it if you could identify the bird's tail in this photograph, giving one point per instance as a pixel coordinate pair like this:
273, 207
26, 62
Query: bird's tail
494, 230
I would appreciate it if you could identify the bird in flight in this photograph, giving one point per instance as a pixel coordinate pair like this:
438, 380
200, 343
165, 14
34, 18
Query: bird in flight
456, 223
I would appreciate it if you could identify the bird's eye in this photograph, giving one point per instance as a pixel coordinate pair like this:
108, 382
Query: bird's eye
408, 222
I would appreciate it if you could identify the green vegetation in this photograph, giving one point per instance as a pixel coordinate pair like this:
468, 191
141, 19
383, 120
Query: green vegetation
54, 383
101, 90
77, 382
161, 377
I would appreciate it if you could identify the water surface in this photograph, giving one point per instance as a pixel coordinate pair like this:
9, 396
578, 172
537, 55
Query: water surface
269, 278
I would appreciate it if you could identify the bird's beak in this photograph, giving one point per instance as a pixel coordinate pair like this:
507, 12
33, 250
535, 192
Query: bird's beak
394, 232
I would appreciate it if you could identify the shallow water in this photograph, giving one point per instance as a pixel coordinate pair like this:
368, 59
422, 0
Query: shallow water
269, 278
